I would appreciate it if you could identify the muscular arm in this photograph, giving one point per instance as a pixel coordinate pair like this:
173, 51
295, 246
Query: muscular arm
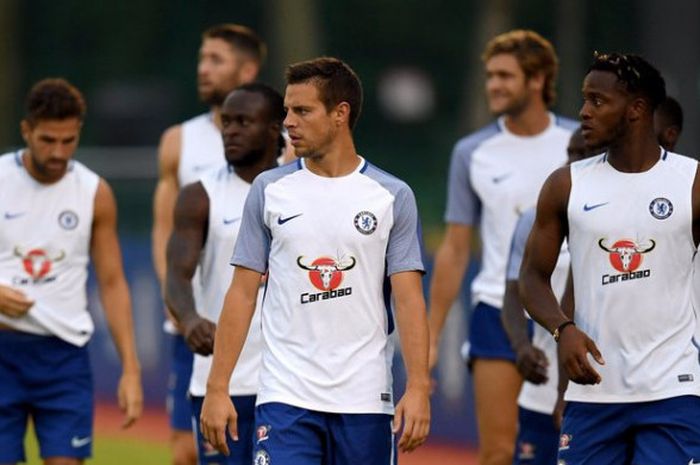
164, 198
541, 253
239, 305
106, 257
414, 407
451, 260
191, 221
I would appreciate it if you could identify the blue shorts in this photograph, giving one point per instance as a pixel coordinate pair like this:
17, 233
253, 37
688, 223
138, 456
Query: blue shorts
661, 432
538, 439
295, 436
49, 380
487, 338
177, 404
241, 450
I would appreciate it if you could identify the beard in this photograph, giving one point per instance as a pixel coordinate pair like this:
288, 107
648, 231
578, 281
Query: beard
213, 98
247, 159
616, 134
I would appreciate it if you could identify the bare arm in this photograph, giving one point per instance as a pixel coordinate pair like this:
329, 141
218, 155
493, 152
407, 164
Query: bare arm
414, 407
164, 197
239, 305
451, 260
541, 253
531, 361
184, 248
106, 257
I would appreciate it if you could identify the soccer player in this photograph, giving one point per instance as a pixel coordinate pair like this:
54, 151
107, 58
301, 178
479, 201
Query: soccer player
57, 215
536, 359
207, 219
632, 220
668, 123
230, 55
335, 234
495, 175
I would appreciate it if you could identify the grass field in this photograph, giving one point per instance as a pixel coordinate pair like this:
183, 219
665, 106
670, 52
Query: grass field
146, 443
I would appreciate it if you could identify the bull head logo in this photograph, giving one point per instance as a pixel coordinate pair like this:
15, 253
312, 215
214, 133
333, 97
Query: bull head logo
37, 262
626, 255
326, 273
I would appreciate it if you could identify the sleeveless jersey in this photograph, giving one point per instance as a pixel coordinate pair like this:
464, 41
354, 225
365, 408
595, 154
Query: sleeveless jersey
329, 244
227, 193
539, 397
201, 149
631, 245
45, 247
494, 177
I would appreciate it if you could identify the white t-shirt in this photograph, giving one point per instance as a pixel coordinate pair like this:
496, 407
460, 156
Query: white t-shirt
45, 232
330, 245
494, 177
227, 193
631, 245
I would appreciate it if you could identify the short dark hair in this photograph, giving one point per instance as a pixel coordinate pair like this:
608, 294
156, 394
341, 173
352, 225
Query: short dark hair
241, 38
335, 80
273, 99
534, 54
671, 112
638, 75
54, 99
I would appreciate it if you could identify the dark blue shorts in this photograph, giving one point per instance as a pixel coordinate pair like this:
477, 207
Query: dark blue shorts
178, 404
241, 450
295, 436
49, 380
537, 441
487, 337
661, 432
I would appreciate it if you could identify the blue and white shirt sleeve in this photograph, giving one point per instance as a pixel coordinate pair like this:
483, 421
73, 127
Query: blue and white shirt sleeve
518, 243
463, 204
253, 244
404, 250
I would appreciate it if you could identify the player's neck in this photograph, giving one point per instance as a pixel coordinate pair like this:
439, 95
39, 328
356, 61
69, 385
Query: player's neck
340, 160
249, 173
215, 111
634, 153
532, 120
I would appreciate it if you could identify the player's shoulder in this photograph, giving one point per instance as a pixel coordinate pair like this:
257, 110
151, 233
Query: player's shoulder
469, 143
386, 180
9, 160
276, 174
683, 164
565, 123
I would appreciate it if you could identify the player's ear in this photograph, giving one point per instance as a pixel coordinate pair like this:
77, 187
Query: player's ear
637, 108
25, 129
249, 71
341, 114
536, 82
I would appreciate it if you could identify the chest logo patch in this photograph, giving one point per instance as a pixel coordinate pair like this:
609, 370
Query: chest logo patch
660, 208
37, 263
626, 257
326, 275
365, 222
68, 220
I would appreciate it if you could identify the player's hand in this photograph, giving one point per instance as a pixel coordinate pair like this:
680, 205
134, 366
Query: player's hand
532, 363
130, 397
558, 414
413, 412
573, 349
199, 335
13, 303
218, 415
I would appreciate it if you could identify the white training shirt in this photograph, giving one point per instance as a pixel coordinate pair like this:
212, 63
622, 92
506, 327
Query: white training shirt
227, 193
45, 247
631, 245
540, 398
201, 150
494, 177
329, 245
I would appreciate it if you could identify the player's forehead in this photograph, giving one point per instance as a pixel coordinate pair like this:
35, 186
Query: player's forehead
58, 128
302, 94
241, 102
216, 46
602, 82
503, 63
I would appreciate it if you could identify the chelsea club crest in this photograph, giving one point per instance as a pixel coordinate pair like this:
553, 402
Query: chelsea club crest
660, 208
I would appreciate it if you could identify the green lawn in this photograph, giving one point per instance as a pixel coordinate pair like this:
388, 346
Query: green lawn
112, 451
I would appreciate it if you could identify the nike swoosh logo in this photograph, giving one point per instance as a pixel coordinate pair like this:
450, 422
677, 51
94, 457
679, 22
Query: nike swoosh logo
232, 220
12, 216
281, 220
198, 168
77, 442
693, 462
588, 208
501, 178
